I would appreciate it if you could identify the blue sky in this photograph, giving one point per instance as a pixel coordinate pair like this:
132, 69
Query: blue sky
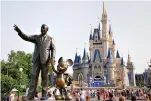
69, 24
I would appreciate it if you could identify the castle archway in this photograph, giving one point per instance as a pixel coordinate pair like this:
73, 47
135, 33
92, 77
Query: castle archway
98, 81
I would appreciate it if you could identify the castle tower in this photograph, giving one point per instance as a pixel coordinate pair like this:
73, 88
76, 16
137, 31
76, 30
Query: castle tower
131, 74
124, 73
104, 33
110, 66
85, 65
91, 45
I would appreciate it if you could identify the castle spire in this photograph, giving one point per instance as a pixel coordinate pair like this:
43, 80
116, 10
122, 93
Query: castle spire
117, 54
109, 54
113, 42
104, 10
85, 57
91, 34
129, 58
110, 30
122, 62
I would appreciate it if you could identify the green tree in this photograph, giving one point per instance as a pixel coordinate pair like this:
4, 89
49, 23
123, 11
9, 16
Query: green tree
7, 84
10, 68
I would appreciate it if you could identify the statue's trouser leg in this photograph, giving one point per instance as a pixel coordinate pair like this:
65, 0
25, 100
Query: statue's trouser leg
61, 93
44, 76
65, 91
34, 80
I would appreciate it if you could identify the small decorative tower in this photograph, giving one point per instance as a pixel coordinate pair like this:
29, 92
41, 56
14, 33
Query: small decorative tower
131, 74
124, 74
110, 66
85, 65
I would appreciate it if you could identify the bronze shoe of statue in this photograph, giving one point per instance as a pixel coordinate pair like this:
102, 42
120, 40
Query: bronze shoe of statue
58, 97
62, 98
67, 97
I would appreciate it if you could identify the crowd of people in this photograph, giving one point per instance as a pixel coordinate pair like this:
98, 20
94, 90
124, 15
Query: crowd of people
112, 94
99, 94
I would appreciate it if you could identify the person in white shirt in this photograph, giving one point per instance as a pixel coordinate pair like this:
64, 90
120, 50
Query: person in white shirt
12, 95
82, 95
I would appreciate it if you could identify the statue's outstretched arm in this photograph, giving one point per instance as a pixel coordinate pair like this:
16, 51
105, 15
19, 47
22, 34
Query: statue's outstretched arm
25, 37
31, 38
53, 68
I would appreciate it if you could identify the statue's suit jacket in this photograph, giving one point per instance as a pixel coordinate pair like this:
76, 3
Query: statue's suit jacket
45, 49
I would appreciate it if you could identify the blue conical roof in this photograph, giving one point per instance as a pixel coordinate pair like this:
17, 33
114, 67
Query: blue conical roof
122, 62
79, 58
117, 54
75, 59
109, 53
91, 38
84, 54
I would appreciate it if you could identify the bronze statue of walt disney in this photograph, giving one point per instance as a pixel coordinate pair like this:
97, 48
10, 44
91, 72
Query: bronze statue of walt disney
60, 81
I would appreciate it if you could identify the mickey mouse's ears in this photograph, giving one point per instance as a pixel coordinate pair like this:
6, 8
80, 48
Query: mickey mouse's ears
60, 59
69, 62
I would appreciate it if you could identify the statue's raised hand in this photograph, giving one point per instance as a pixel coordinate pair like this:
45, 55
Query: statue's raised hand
16, 28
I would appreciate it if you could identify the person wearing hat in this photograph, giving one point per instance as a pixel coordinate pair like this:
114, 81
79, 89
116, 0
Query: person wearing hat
12, 95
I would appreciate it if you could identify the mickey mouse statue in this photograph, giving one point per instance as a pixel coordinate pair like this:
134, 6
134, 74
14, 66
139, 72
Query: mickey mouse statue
60, 81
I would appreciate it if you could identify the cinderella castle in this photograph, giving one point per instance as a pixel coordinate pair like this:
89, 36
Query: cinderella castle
103, 65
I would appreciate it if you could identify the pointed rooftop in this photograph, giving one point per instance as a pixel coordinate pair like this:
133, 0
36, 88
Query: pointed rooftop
84, 55
91, 38
117, 54
122, 62
104, 10
110, 30
113, 42
75, 59
109, 56
129, 58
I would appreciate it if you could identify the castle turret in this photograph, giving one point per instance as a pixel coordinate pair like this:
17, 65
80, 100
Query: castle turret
80, 61
118, 58
124, 73
110, 66
117, 55
85, 57
76, 62
131, 74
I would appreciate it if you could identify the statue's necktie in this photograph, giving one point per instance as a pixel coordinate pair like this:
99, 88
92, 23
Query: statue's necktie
43, 38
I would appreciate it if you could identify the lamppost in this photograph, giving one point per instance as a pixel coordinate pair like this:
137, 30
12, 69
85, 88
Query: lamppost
20, 71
